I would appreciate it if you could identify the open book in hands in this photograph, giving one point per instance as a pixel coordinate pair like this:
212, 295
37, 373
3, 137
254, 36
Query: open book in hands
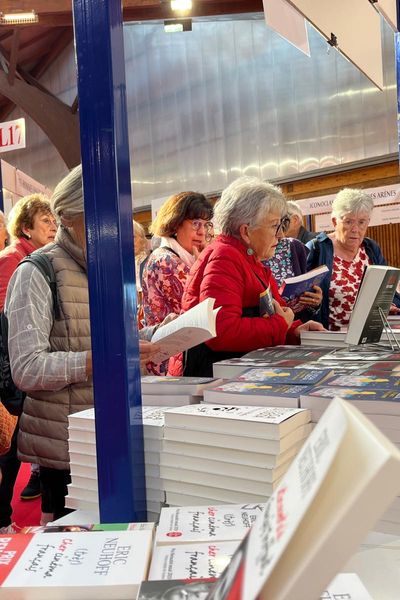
193, 327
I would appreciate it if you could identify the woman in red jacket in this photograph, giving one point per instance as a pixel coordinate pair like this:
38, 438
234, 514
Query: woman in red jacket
250, 217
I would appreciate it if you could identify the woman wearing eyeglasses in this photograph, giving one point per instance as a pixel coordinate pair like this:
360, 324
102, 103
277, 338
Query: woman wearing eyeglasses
183, 224
346, 252
249, 216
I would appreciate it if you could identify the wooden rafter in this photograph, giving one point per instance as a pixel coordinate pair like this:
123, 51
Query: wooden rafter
13, 57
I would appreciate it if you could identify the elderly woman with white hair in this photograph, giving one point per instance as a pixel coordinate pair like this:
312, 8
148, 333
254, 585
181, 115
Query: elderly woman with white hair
51, 358
249, 216
346, 252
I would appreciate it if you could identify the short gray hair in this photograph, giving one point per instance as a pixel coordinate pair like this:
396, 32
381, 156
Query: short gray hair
67, 199
294, 209
351, 200
247, 200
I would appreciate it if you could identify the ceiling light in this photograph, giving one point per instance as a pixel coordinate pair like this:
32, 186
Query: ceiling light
18, 18
176, 25
181, 5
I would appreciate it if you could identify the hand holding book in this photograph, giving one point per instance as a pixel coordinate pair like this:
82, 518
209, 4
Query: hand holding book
285, 312
312, 299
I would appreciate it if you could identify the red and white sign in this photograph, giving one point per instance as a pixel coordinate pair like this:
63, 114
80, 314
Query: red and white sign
12, 135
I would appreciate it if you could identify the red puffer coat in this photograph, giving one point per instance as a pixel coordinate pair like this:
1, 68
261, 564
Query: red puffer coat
226, 272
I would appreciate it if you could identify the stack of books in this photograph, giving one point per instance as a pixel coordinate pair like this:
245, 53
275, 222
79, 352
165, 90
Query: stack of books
83, 489
267, 386
197, 542
174, 391
224, 454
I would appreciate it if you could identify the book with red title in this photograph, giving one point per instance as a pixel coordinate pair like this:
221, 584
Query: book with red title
213, 523
97, 565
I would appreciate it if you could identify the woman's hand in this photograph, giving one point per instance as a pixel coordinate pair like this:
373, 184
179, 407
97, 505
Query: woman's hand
285, 312
309, 326
148, 351
394, 310
312, 299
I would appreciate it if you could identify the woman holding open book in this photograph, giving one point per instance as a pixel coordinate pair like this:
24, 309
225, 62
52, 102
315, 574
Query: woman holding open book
252, 315
346, 252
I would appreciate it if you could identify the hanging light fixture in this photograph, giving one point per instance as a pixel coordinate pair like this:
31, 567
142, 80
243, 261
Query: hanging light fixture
19, 18
181, 5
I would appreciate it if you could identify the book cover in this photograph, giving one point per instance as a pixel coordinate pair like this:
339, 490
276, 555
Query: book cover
288, 376
374, 298
294, 287
256, 394
315, 520
366, 353
267, 303
369, 401
371, 382
215, 523
265, 422
191, 561
287, 352
98, 565
89, 527
175, 385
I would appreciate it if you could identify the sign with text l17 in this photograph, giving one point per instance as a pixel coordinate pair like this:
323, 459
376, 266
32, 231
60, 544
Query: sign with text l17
12, 135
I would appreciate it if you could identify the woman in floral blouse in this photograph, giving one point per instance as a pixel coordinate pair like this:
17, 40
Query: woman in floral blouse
183, 223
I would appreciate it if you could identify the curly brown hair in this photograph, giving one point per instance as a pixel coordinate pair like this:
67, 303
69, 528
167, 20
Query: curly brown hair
178, 208
23, 213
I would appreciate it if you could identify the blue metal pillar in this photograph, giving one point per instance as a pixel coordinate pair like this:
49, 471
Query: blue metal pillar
112, 288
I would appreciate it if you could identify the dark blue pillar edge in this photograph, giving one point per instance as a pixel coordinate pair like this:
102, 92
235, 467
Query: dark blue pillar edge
112, 288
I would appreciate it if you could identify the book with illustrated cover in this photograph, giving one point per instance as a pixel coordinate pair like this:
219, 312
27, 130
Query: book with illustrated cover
232, 367
365, 353
191, 561
94, 565
287, 353
263, 422
215, 523
191, 328
288, 376
89, 527
369, 401
267, 303
373, 368
319, 514
374, 298
345, 586
254, 393
294, 287
381, 381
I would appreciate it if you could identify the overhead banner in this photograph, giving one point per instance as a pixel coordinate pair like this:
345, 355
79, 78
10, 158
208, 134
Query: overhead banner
387, 194
288, 22
356, 29
12, 135
381, 215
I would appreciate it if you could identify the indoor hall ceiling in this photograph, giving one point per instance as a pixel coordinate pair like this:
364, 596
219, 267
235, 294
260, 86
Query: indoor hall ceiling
26, 51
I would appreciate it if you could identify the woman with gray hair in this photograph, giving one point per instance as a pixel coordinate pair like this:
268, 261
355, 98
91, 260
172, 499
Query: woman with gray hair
51, 357
249, 216
346, 252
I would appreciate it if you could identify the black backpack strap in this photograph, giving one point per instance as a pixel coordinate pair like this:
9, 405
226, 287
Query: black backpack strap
44, 264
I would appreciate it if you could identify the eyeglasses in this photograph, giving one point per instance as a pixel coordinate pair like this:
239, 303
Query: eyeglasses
350, 223
197, 224
284, 224
49, 222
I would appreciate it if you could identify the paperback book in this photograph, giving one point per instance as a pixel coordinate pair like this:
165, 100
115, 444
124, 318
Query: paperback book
215, 523
193, 386
382, 381
369, 401
267, 422
285, 376
294, 287
256, 394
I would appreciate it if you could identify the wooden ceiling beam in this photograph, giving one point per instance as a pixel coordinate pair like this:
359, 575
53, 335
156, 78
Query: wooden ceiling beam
13, 57
63, 40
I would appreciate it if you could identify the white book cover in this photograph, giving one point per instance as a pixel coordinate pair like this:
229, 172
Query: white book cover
193, 327
213, 523
239, 442
84, 419
320, 512
191, 561
263, 422
101, 565
175, 386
